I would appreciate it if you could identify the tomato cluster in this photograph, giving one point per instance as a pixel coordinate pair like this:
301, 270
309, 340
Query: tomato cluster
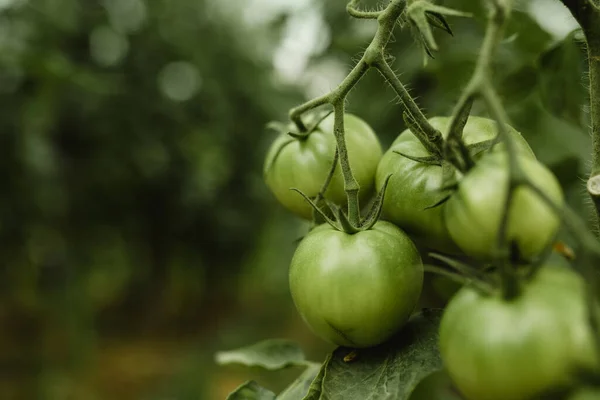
357, 288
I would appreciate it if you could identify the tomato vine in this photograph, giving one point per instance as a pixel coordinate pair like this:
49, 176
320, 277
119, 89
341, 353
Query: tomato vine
449, 151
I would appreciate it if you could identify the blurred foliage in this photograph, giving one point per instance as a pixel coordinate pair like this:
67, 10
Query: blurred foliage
136, 234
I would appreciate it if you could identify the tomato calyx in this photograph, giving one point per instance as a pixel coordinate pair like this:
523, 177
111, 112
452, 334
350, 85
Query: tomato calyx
335, 216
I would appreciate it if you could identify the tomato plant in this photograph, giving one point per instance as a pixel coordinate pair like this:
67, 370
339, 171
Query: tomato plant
416, 186
519, 326
356, 290
473, 214
304, 164
516, 349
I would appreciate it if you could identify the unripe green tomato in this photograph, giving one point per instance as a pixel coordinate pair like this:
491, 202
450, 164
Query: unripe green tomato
474, 212
497, 349
304, 164
416, 186
356, 290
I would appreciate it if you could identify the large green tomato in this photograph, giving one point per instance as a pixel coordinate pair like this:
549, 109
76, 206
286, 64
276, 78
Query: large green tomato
473, 213
495, 349
356, 290
416, 186
305, 164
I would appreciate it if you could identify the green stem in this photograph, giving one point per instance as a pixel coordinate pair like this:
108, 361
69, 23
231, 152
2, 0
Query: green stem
317, 219
480, 85
296, 113
350, 184
433, 139
455, 146
373, 56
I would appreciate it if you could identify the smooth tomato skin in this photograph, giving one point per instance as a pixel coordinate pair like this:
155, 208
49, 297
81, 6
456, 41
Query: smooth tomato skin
356, 290
473, 213
305, 164
415, 186
515, 350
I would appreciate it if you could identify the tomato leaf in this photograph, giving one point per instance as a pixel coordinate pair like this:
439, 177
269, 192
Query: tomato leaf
301, 386
251, 391
316, 387
391, 370
270, 354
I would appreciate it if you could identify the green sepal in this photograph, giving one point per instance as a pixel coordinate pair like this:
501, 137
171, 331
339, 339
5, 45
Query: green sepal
278, 127
422, 14
315, 120
317, 209
476, 149
342, 219
430, 160
439, 202
458, 124
375, 212
438, 20
455, 149
324, 205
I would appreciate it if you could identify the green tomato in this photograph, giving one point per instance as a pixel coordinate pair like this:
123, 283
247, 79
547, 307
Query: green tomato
416, 186
496, 349
356, 290
473, 214
304, 164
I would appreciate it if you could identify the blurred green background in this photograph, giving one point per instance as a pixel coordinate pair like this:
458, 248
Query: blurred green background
137, 237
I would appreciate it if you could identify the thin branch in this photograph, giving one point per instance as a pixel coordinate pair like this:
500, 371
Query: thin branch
433, 141
387, 20
352, 9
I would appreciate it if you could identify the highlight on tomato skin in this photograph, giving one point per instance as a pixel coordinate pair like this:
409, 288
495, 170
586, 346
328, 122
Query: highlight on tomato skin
304, 164
356, 290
